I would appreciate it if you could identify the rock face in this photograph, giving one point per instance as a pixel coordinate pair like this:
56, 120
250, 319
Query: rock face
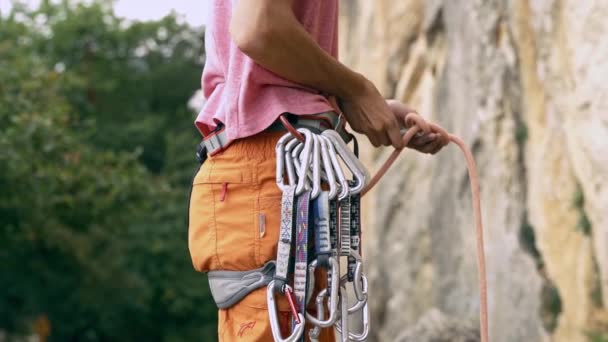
524, 83
435, 327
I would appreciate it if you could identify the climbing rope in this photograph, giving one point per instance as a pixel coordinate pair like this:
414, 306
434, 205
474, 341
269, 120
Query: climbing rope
415, 125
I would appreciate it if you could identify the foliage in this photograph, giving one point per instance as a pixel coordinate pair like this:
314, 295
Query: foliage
596, 336
96, 142
578, 203
551, 305
521, 133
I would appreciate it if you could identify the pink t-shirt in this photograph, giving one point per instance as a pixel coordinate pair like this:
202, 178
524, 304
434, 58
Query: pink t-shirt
246, 97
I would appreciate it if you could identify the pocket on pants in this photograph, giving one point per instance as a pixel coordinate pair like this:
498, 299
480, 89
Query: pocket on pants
223, 232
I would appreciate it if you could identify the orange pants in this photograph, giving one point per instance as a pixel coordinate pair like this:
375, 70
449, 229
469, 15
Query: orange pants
235, 211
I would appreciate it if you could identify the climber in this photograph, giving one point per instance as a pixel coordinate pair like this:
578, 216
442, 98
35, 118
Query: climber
265, 58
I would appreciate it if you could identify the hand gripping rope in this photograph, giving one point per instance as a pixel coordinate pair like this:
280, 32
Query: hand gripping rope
298, 153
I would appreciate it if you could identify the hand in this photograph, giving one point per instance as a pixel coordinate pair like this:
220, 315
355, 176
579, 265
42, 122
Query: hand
368, 113
425, 143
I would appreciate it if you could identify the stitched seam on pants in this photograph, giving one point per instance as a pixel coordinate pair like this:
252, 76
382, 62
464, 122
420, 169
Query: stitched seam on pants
253, 221
216, 256
256, 213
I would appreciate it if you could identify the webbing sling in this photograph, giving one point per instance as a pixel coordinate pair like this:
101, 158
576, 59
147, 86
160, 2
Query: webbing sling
344, 224
321, 220
285, 237
301, 263
355, 232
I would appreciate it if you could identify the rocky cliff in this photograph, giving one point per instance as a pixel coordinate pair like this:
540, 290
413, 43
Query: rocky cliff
524, 83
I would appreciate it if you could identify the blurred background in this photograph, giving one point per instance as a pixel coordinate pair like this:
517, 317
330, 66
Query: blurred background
97, 101
97, 152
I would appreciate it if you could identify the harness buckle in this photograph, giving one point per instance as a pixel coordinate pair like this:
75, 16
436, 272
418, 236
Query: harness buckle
201, 153
213, 143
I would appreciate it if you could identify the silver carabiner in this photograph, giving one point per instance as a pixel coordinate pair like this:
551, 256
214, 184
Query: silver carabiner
289, 163
352, 162
305, 155
316, 167
315, 332
360, 337
342, 181
328, 168
359, 283
274, 319
315, 175
279, 150
360, 291
333, 296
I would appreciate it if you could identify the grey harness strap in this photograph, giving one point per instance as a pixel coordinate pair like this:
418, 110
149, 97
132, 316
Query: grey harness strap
285, 238
230, 287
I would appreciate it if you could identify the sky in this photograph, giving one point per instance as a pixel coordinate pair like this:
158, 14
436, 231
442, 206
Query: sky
193, 11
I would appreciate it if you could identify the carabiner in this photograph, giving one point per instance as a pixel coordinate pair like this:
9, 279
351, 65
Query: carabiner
328, 168
333, 296
360, 292
361, 305
298, 330
315, 175
315, 332
304, 161
352, 162
358, 274
342, 181
279, 150
316, 167
289, 163
362, 336
359, 283
353, 158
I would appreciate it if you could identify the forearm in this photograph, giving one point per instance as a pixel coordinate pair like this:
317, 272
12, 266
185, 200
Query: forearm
272, 36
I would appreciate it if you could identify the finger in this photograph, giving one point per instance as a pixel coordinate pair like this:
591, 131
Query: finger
433, 147
440, 145
373, 139
394, 136
427, 138
384, 139
421, 140
426, 148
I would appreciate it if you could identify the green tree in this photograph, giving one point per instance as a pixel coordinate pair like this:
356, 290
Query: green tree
96, 157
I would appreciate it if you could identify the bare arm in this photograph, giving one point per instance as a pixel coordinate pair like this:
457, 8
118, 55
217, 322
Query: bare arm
270, 34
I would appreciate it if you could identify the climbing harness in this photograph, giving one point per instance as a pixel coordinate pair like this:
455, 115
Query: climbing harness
327, 180
322, 182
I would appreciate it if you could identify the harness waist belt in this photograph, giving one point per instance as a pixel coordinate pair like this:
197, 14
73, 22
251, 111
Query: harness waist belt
216, 141
230, 287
